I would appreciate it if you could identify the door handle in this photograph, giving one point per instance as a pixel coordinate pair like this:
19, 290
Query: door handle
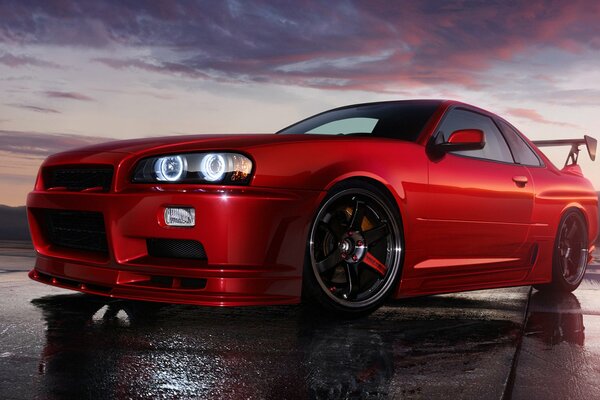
520, 181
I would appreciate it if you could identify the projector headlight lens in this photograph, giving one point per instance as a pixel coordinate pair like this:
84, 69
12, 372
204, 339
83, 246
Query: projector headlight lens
169, 168
217, 168
213, 167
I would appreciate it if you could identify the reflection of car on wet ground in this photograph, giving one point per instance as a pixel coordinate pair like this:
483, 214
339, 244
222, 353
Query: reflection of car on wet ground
119, 348
555, 318
346, 208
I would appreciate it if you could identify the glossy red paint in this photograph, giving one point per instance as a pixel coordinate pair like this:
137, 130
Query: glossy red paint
469, 136
467, 224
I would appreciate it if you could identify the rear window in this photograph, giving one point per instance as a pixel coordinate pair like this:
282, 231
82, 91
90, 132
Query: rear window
521, 150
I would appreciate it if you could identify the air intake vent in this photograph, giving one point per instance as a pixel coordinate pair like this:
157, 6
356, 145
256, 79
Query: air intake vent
176, 248
78, 179
76, 230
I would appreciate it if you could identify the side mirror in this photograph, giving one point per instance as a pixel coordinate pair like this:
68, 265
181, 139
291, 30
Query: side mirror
464, 139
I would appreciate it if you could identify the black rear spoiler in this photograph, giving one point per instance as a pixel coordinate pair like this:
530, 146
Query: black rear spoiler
590, 143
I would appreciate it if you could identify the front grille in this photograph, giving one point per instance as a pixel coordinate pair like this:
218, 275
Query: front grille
175, 248
80, 178
80, 230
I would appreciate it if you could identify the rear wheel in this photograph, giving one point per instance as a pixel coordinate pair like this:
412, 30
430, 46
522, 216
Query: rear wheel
570, 256
354, 252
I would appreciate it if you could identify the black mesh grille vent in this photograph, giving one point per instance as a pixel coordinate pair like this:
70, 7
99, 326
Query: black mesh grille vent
77, 179
76, 230
176, 248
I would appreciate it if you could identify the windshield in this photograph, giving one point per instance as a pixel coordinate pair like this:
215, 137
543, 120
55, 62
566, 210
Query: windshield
402, 120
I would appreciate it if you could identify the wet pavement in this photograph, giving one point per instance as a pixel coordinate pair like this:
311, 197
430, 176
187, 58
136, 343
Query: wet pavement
560, 353
57, 344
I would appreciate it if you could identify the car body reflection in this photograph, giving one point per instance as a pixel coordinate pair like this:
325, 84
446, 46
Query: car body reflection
555, 318
125, 349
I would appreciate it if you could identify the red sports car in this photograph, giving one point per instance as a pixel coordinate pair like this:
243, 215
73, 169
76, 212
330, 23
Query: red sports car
343, 209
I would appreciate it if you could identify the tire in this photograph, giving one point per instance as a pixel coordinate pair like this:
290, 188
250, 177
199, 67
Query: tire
354, 252
570, 256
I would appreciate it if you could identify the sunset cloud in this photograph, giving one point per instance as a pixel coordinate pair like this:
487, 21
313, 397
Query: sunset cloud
352, 45
67, 95
533, 115
155, 66
15, 61
42, 144
33, 108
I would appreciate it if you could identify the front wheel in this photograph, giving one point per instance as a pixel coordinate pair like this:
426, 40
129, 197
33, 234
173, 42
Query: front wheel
570, 256
354, 252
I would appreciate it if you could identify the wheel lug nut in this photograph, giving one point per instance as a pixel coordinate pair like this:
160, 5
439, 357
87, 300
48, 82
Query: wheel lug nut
354, 258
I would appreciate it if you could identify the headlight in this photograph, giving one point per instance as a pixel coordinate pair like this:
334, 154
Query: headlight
221, 168
213, 167
169, 168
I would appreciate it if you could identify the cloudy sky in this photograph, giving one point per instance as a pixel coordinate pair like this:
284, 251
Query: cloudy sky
74, 73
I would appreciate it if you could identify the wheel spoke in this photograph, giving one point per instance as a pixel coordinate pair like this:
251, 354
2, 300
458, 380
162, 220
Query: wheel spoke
372, 236
568, 266
358, 213
353, 282
331, 261
572, 231
375, 264
565, 267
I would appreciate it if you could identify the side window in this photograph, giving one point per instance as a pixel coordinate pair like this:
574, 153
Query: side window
521, 151
495, 148
346, 126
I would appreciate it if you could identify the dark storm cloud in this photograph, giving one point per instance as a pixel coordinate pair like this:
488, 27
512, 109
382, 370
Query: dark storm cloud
67, 95
41, 144
341, 45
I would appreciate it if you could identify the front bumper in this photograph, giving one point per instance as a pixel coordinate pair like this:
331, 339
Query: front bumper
254, 240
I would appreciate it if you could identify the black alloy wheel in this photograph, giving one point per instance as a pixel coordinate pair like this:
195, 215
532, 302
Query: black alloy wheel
570, 257
355, 251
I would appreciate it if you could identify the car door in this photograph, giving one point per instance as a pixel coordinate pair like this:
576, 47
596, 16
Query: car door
480, 205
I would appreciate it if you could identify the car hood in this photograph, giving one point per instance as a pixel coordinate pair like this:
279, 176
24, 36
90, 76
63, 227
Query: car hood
290, 161
197, 142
